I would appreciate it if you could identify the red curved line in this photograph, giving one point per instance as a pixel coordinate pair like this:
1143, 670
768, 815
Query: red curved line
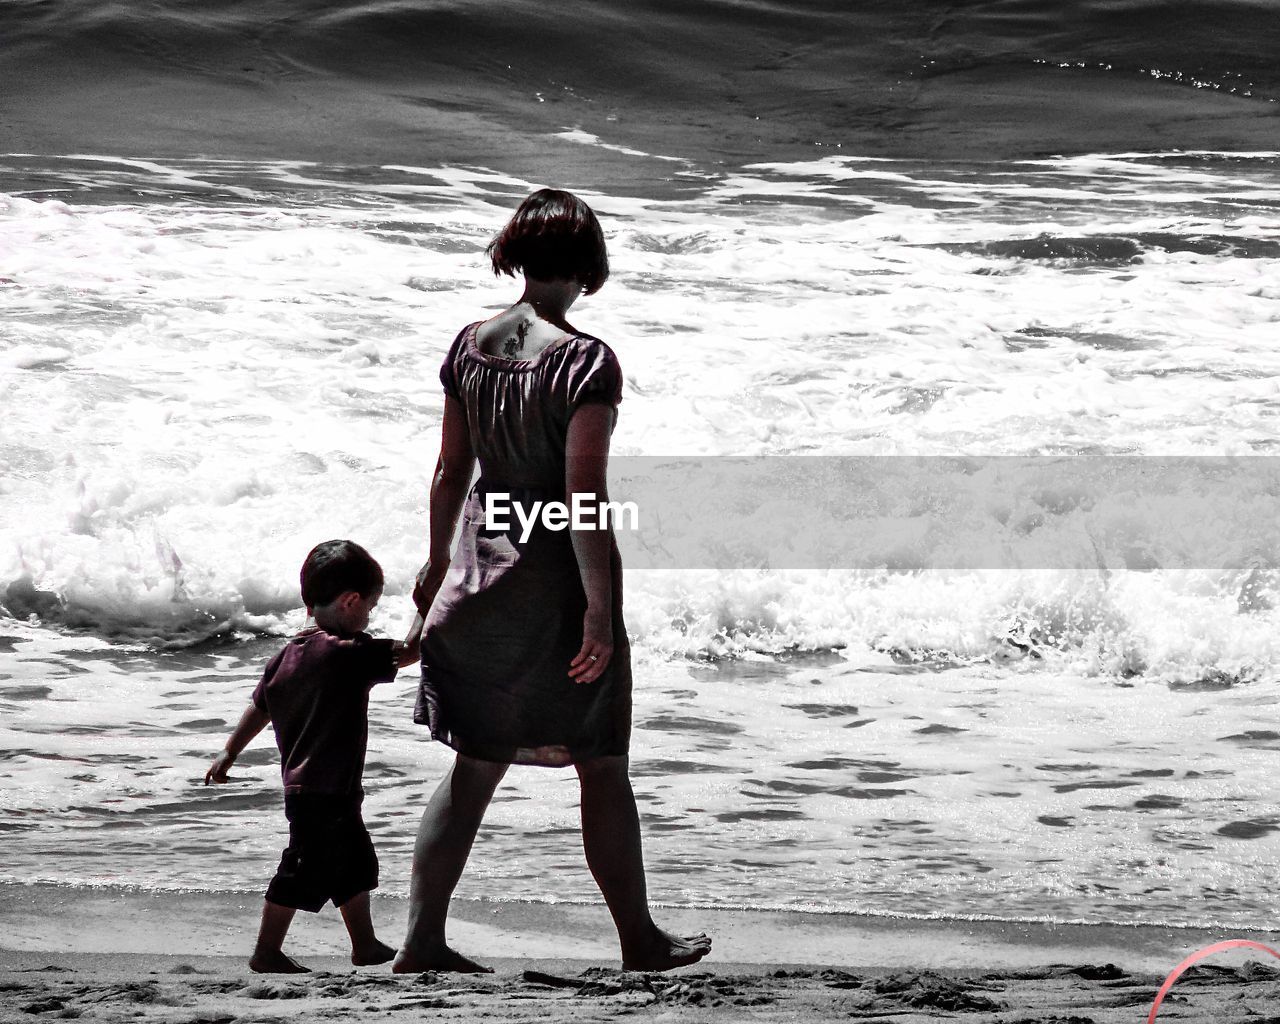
1198, 955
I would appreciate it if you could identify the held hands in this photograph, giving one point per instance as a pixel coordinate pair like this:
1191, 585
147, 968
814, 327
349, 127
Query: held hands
427, 585
218, 770
597, 648
407, 650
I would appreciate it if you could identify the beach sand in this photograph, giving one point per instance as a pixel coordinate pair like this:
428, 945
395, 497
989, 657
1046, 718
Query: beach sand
110, 955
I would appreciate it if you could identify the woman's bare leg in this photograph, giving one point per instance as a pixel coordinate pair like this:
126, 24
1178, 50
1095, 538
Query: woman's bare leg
448, 829
611, 838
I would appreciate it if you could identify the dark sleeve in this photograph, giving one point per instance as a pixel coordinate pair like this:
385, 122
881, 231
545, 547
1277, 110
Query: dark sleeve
594, 375
449, 368
373, 661
259, 697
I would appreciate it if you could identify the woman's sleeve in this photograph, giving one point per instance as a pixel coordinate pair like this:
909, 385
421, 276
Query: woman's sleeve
449, 368
595, 376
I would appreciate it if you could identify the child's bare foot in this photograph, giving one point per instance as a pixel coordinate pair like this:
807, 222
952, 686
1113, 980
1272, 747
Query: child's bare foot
272, 961
372, 953
436, 958
665, 952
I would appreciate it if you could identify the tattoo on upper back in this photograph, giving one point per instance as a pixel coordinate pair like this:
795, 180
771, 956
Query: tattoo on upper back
515, 343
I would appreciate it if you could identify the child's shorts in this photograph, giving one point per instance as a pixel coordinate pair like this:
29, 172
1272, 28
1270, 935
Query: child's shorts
329, 857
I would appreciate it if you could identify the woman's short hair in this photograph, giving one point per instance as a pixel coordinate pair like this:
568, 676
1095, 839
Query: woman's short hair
552, 236
335, 567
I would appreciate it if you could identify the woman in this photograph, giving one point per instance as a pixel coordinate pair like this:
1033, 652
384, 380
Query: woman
524, 654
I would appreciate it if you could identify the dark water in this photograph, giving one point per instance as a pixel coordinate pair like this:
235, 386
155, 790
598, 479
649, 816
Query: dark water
713, 52
726, 81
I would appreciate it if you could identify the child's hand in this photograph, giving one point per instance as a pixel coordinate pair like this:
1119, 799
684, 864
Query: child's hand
407, 651
252, 722
218, 770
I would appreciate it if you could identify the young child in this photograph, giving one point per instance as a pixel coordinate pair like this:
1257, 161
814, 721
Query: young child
316, 692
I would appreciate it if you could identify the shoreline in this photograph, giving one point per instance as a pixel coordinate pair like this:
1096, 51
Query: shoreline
181, 959
42, 918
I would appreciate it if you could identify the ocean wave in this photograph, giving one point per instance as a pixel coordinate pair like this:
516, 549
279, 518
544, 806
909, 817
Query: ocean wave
212, 365
758, 75
1182, 629
1212, 44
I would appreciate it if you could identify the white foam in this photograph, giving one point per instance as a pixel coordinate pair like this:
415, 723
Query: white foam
224, 383
587, 139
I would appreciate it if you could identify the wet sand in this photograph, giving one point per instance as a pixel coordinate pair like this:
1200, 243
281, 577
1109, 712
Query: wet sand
114, 955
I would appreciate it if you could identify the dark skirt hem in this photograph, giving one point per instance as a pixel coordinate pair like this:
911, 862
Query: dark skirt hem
554, 755
538, 757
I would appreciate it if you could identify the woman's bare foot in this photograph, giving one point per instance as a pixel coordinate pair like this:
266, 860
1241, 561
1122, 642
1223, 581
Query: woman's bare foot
272, 961
375, 953
665, 952
436, 958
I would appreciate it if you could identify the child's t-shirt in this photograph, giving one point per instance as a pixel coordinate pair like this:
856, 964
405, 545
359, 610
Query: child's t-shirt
316, 691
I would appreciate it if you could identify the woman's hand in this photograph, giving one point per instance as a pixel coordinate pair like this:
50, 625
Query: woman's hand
427, 585
597, 648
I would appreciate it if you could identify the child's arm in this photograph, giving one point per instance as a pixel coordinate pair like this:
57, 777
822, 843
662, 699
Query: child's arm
252, 722
406, 650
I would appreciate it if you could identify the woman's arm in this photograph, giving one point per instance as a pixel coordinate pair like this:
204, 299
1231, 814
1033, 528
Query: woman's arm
449, 489
586, 465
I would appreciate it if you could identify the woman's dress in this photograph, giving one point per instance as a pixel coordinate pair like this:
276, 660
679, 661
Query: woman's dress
507, 621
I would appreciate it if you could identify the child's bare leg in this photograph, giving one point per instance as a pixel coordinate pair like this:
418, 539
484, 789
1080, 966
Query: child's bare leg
366, 950
611, 838
267, 957
448, 829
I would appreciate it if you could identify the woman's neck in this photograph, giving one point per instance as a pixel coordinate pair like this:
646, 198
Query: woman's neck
550, 300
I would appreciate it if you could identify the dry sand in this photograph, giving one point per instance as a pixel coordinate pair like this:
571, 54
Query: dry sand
114, 955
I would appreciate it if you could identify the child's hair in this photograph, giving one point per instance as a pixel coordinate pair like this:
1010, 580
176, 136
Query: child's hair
333, 568
553, 235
